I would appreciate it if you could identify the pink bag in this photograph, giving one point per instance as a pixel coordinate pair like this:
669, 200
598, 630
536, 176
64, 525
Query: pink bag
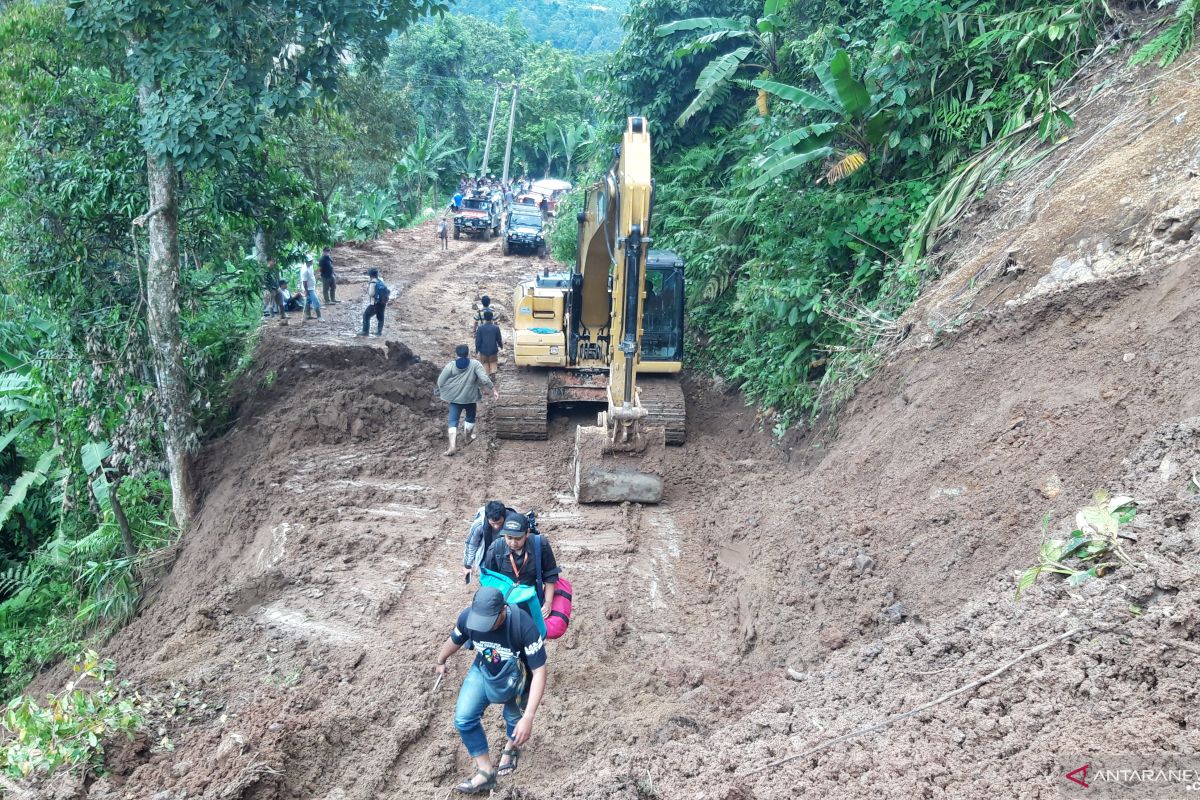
560, 610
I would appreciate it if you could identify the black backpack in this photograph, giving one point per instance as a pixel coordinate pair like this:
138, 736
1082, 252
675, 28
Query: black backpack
382, 293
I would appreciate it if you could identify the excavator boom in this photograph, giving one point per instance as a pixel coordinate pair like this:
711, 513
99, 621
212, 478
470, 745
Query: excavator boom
610, 460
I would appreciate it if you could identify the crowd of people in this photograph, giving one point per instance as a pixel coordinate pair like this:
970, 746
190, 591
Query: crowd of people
279, 299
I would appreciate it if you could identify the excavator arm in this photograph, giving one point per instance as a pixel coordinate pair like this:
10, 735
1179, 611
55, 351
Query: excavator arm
614, 240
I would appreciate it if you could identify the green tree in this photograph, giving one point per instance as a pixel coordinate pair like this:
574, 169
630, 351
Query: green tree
420, 165
646, 78
208, 79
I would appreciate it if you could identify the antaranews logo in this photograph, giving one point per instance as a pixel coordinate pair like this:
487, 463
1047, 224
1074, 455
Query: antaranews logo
1079, 775
1132, 779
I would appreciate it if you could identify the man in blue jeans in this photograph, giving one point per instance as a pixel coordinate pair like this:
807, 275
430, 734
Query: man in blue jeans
309, 281
509, 656
461, 384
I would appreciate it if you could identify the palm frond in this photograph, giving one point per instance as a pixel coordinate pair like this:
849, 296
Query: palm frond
711, 79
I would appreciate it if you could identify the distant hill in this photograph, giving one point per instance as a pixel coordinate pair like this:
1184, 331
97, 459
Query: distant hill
582, 26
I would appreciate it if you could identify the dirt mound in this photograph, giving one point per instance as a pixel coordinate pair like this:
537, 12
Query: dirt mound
1115, 694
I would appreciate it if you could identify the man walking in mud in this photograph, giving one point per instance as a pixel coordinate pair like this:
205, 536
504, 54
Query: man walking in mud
485, 529
461, 384
377, 300
509, 670
443, 233
488, 344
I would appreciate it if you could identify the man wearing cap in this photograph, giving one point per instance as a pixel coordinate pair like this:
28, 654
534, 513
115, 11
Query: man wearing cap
308, 280
461, 384
513, 556
509, 656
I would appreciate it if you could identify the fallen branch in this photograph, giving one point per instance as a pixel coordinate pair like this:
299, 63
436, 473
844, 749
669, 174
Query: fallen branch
1191, 648
907, 714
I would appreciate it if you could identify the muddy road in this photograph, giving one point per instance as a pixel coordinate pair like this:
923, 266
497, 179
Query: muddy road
291, 646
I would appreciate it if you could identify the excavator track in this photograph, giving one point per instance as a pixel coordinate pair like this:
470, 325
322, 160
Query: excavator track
662, 397
522, 411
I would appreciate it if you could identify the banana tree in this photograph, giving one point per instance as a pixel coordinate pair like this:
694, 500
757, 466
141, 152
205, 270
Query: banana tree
761, 53
470, 162
422, 161
573, 138
849, 126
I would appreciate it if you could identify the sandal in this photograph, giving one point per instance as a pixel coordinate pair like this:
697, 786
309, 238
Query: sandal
514, 757
467, 787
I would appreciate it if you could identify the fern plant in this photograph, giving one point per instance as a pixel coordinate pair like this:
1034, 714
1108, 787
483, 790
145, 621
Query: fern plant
1169, 45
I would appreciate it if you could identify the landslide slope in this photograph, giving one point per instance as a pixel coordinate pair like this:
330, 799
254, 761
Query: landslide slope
292, 640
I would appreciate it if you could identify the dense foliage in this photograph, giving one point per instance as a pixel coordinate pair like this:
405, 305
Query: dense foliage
84, 503
809, 153
580, 26
80, 447
450, 69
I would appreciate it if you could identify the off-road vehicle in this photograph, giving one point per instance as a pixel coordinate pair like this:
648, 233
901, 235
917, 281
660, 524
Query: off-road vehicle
524, 231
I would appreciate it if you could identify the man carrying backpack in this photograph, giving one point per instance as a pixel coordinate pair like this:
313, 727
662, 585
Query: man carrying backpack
526, 559
460, 384
377, 298
509, 656
485, 529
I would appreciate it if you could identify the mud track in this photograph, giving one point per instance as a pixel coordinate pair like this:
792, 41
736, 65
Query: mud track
294, 637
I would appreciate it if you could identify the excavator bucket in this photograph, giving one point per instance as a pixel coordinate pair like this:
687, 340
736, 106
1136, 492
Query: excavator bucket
604, 474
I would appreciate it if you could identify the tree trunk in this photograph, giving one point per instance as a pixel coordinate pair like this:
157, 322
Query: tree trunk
262, 249
122, 520
162, 303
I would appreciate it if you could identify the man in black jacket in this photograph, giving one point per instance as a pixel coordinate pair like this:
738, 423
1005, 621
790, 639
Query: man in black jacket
328, 282
489, 343
513, 556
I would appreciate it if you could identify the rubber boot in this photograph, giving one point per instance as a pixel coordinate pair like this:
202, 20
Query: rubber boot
470, 432
452, 433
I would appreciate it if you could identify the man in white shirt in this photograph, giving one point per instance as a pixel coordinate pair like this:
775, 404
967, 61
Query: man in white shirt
308, 280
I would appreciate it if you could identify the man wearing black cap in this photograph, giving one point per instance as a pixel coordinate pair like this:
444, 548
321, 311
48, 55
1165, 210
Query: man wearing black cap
509, 655
526, 559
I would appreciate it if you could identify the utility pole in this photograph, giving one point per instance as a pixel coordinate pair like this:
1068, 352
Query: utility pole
512, 120
487, 148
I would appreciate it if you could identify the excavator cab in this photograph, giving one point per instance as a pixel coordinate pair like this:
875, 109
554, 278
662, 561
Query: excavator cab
662, 309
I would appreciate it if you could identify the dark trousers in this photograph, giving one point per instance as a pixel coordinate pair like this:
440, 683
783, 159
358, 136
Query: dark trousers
373, 310
329, 289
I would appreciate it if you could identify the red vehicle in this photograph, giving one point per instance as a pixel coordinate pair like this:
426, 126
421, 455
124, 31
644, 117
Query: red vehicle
477, 216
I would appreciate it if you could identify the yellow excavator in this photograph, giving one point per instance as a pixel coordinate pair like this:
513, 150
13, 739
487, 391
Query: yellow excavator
609, 332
